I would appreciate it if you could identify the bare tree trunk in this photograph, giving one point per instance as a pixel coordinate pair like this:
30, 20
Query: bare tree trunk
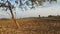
13, 18
10, 8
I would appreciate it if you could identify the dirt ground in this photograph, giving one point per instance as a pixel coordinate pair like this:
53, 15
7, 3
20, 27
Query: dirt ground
30, 26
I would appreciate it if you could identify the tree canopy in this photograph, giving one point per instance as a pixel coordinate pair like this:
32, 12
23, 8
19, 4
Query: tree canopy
22, 3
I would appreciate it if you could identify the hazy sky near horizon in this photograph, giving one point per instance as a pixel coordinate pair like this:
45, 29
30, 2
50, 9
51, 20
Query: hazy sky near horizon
45, 10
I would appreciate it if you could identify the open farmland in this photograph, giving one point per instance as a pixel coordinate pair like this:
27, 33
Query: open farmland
30, 26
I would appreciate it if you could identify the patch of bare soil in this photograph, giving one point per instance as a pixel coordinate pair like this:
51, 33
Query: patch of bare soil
30, 26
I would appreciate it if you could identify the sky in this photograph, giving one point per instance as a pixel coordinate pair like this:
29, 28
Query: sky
45, 10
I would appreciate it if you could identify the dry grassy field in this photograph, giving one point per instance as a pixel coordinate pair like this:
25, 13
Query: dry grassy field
30, 26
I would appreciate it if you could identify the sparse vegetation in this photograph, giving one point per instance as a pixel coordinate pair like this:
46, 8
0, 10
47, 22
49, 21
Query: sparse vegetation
4, 19
31, 25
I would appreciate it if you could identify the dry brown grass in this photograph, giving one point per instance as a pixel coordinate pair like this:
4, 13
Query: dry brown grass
30, 26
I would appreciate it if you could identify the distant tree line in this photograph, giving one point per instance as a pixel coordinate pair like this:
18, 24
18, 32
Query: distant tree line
57, 16
54, 16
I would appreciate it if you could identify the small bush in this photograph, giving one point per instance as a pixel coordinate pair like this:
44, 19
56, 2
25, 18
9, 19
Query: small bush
50, 16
